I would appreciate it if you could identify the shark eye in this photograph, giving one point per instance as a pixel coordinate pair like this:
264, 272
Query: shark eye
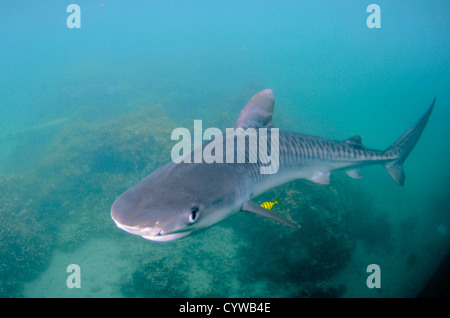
194, 215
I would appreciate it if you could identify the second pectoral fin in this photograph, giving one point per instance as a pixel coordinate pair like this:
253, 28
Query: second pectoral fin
252, 207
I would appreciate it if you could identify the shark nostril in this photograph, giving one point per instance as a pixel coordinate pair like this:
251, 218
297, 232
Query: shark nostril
160, 233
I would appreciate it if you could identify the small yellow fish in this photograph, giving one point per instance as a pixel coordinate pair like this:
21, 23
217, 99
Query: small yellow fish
269, 204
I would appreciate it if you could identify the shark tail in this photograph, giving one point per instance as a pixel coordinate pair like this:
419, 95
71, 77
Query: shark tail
403, 146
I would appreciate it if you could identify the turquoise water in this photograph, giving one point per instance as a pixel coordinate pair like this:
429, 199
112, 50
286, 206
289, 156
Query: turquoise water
86, 113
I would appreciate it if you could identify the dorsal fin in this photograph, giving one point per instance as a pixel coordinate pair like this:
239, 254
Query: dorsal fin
258, 111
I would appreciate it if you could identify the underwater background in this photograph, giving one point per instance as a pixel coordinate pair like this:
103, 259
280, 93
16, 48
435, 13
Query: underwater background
86, 113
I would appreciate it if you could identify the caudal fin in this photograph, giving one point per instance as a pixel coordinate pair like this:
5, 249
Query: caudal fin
278, 201
402, 147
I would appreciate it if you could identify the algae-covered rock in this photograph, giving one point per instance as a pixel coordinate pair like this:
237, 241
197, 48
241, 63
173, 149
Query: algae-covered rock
90, 163
24, 244
204, 265
64, 199
299, 263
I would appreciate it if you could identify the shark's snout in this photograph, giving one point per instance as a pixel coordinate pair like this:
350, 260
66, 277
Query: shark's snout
120, 213
126, 219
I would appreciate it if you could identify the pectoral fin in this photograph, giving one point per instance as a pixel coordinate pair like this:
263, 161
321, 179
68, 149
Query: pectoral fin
320, 177
252, 207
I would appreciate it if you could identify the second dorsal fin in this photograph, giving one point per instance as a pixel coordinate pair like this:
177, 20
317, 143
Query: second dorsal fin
355, 141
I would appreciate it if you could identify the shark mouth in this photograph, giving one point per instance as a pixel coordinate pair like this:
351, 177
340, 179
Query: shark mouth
152, 233
166, 237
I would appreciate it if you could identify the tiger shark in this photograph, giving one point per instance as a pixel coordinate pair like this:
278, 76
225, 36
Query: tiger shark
178, 199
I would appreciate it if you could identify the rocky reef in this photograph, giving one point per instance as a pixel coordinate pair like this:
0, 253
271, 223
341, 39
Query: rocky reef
64, 199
